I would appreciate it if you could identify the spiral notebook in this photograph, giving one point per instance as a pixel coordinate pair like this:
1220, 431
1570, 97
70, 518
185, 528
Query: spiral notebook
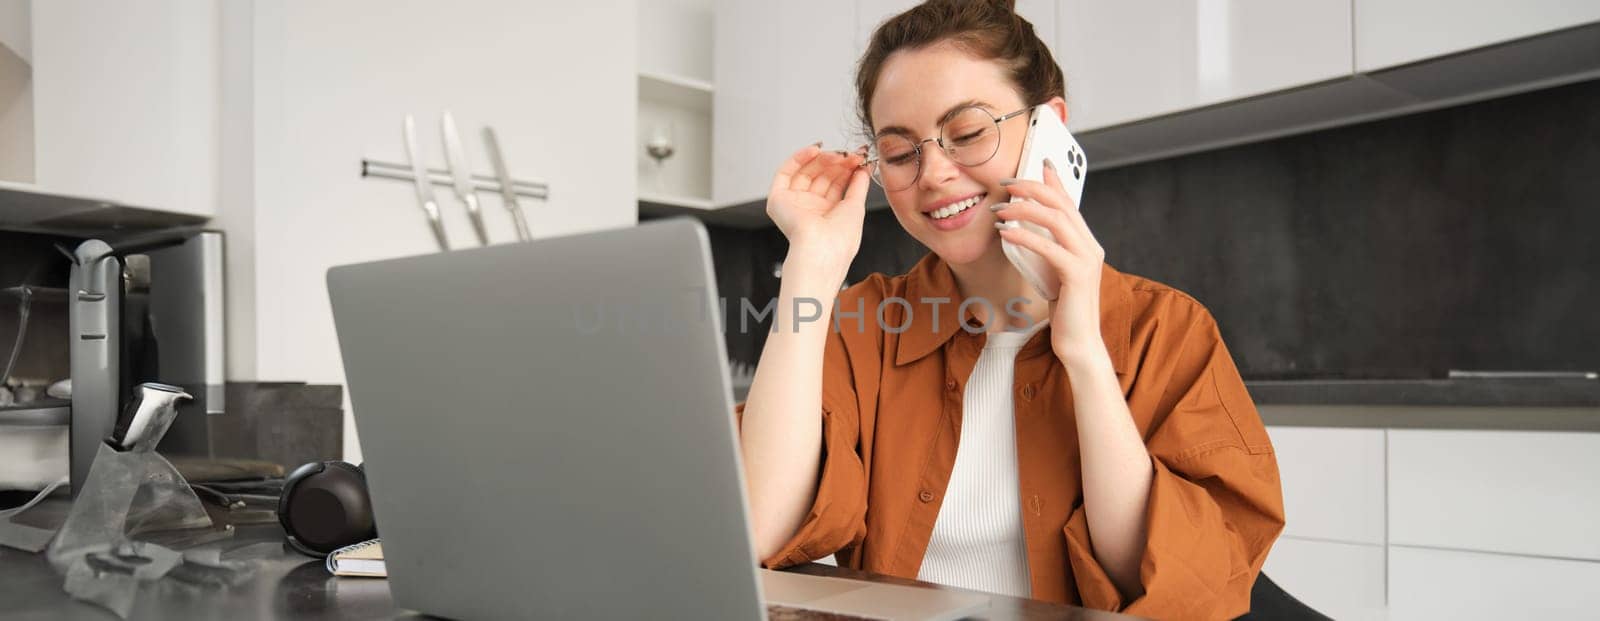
364, 559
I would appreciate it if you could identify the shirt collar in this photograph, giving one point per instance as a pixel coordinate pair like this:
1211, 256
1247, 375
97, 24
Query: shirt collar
931, 278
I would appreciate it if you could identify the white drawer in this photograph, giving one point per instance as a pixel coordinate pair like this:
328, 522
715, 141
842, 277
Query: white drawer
1340, 580
1450, 584
1332, 482
1517, 492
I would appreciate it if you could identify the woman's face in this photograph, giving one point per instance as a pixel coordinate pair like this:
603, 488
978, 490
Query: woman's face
916, 88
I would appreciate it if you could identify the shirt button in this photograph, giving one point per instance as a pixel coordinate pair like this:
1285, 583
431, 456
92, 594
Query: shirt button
925, 496
950, 384
1028, 392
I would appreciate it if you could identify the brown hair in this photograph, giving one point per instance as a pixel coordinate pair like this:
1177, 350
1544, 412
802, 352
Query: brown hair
986, 29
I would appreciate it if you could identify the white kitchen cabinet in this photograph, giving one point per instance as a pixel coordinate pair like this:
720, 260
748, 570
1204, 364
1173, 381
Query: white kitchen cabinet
1449, 584
815, 75
1333, 482
742, 132
783, 78
125, 101
1395, 32
675, 38
16, 92
1516, 492
1127, 60
1341, 580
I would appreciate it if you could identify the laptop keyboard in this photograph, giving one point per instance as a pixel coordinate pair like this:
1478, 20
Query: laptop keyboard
789, 613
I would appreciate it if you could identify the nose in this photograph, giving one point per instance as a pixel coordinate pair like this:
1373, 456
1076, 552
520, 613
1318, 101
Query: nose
937, 167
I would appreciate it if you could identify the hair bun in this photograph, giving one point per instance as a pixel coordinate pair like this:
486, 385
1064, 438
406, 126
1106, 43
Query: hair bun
987, 30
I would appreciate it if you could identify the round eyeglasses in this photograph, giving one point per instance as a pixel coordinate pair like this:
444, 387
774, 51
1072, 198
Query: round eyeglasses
969, 136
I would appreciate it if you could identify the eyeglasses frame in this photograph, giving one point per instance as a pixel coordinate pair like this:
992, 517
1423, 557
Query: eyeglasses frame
916, 145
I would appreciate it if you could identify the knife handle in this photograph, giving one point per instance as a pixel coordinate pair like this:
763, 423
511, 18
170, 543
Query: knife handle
432, 208
521, 221
476, 214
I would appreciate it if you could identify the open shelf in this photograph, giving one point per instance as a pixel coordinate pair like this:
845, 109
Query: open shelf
677, 91
678, 108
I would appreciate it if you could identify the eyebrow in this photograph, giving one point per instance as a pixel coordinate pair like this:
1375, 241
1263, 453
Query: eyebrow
899, 129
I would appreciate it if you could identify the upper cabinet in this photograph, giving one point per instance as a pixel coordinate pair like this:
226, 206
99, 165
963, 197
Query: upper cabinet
1149, 79
124, 101
16, 92
1127, 60
743, 61
1396, 32
784, 74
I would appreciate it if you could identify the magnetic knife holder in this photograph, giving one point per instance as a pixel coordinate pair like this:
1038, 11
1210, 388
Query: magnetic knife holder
537, 188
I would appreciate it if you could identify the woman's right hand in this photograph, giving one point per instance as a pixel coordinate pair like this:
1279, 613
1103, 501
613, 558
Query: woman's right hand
818, 199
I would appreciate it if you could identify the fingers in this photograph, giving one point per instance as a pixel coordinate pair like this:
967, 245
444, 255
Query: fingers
855, 195
829, 174
790, 167
1053, 178
1051, 251
1050, 196
839, 177
808, 173
829, 169
1050, 218
1054, 197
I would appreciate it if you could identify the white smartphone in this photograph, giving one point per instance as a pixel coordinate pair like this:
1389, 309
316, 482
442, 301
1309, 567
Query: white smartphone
1047, 138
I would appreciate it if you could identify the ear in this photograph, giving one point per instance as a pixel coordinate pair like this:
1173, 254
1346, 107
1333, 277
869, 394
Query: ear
1060, 106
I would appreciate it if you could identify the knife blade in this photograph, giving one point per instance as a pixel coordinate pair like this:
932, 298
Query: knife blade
508, 194
424, 184
462, 173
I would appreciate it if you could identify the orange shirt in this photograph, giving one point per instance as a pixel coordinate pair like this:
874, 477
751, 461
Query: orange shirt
892, 405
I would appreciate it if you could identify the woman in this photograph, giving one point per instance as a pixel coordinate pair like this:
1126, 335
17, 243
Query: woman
1098, 449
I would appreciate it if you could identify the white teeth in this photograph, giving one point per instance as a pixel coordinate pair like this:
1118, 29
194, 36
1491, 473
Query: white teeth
955, 208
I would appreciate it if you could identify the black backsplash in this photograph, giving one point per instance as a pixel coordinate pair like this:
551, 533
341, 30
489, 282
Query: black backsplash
1462, 238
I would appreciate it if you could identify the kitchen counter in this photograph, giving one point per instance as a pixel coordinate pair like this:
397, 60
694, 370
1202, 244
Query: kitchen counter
1474, 392
1508, 404
287, 585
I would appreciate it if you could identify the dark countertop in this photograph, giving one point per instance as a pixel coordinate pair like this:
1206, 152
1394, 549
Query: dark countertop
1475, 392
289, 585
1497, 418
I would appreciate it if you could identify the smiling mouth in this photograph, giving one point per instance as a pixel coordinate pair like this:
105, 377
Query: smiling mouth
951, 210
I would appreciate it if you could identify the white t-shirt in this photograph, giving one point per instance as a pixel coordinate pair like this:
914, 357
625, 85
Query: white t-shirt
977, 539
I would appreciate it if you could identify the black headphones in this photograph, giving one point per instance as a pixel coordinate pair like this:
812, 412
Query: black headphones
325, 506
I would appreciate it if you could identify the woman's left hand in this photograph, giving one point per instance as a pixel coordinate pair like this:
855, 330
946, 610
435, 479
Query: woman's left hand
1074, 254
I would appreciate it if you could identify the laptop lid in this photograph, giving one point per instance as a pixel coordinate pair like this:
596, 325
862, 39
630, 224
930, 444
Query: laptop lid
548, 427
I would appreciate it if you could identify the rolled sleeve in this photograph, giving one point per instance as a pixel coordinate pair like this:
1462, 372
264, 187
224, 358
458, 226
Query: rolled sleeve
1205, 546
1215, 503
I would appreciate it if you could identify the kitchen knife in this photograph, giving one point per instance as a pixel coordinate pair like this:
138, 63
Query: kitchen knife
508, 195
424, 183
462, 173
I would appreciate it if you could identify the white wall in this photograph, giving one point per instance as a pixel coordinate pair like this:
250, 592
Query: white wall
329, 83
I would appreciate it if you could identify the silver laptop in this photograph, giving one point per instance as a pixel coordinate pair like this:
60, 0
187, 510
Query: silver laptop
548, 433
